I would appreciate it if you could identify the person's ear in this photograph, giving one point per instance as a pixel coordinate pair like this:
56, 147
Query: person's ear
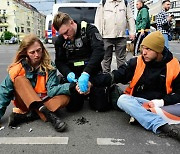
71, 22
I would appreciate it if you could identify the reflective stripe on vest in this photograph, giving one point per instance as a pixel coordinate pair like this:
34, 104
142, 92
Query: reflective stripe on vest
173, 69
18, 70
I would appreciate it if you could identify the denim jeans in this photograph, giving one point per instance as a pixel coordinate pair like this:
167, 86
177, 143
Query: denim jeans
166, 40
133, 106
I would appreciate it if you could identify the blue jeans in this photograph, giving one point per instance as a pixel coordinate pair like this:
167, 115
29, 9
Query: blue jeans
133, 106
166, 40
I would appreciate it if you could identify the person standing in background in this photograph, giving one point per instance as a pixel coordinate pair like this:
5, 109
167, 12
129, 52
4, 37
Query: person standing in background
173, 26
164, 21
112, 18
142, 24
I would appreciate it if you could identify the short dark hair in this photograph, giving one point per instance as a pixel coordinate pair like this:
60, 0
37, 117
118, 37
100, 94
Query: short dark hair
165, 1
141, 1
59, 19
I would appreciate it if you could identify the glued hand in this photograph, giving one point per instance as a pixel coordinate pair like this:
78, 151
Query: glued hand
71, 77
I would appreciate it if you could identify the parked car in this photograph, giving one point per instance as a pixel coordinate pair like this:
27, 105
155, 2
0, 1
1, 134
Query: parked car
13, 40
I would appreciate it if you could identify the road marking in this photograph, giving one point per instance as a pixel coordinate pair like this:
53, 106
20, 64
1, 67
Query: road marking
34, 140
4, 63
110, 141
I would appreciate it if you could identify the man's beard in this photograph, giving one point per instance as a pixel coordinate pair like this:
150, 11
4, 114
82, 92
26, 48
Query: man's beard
166, 9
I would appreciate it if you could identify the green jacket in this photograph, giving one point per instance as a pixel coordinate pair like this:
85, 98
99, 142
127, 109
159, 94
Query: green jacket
142, 19
52, 85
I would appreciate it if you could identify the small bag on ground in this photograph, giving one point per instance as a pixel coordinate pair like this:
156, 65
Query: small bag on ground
99, 99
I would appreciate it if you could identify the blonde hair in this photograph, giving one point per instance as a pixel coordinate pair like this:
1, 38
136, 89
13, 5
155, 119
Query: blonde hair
59, 19
21, 53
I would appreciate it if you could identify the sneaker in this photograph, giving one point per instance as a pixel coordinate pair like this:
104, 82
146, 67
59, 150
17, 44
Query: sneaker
15, 118
171, 131
59, 125
133, 121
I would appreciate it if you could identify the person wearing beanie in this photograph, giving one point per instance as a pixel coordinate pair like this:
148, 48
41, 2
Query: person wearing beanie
155, 41
153, 95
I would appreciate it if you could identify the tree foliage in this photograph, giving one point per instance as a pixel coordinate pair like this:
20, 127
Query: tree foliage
7, 35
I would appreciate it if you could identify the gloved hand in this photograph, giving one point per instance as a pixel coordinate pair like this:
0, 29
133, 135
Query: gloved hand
71, 77
83, 82
158, 102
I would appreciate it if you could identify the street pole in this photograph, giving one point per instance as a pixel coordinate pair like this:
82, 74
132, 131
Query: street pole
17, 33
55, 1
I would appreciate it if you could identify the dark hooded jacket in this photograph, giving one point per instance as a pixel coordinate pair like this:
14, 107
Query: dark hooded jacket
152, 83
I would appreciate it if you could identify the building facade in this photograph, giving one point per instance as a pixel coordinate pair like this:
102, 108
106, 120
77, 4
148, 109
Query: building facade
21, 18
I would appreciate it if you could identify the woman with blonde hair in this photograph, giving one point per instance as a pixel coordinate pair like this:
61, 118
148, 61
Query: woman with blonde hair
33, 86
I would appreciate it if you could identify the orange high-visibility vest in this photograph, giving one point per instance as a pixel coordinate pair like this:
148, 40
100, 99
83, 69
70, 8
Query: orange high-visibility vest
173, 69
40, 87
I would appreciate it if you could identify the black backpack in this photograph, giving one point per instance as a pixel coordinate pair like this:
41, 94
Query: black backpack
99, 99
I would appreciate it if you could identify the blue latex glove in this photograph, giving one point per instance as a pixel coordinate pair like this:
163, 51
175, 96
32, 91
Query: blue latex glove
71, 77
83, 82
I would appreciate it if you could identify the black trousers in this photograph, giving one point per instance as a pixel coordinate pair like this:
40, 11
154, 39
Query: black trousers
76, 101
137, 42
98, 100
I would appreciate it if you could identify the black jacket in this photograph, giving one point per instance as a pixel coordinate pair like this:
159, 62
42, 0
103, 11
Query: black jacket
94, 48
151, 85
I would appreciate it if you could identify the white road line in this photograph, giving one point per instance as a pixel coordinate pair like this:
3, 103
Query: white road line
110, 141
34, 140
4, 63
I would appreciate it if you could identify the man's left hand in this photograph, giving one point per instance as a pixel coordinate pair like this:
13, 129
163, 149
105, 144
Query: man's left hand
132, 36
156, 103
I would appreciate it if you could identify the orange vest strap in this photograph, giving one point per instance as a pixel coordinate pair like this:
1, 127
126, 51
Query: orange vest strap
173, 69
137, 74
16, 70
41, 84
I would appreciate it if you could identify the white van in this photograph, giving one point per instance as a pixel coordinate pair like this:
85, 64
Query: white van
48, 28
78, 12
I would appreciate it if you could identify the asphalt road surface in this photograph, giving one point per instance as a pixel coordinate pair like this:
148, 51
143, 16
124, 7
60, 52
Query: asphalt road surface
88, 132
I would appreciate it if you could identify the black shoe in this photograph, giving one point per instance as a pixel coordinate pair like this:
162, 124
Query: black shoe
171, 130
51, 117
15, 118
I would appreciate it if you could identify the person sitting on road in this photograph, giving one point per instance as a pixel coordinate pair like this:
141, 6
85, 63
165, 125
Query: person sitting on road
33, 86
153, 95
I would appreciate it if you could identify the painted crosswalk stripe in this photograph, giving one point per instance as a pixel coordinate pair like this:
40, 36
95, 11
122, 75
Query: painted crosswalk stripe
110, 141
34, 140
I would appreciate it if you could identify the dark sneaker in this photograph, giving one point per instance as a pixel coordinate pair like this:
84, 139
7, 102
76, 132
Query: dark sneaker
15, 118
59, 125
171, 130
